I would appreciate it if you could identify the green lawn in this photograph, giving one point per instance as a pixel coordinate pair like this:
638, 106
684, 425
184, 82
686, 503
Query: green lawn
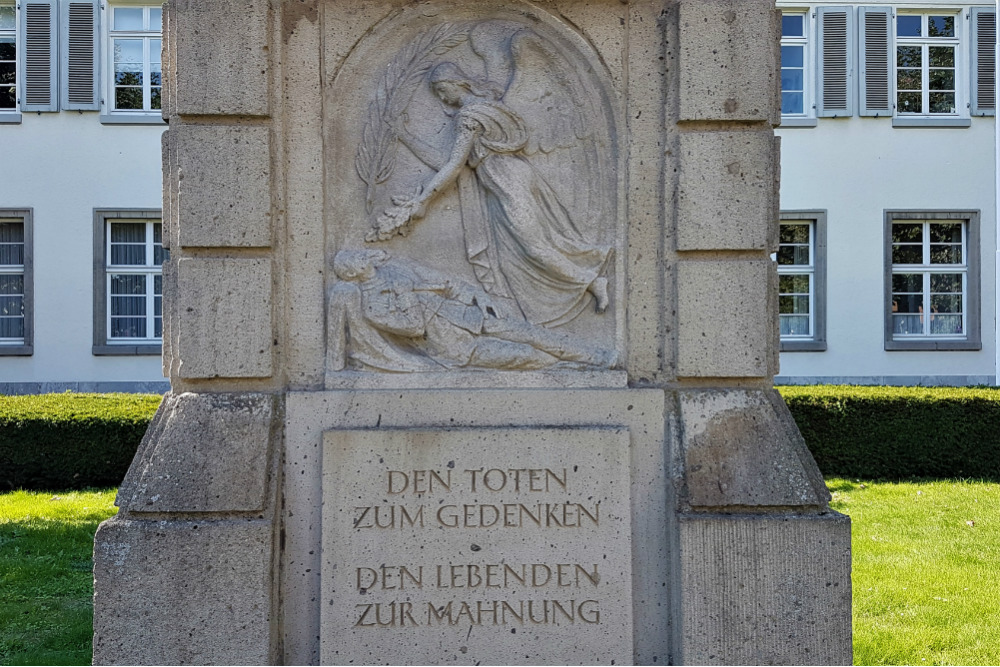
926, 567
46, 580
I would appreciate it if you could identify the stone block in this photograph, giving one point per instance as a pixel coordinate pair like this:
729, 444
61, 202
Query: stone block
184, 592
225, 321
524, 534
212, 454
741, 448
765, 590
224, 185
727, 71
725, 327
725, 198
221, 57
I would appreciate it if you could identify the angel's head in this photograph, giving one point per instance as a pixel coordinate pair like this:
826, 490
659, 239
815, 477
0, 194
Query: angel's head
452, 86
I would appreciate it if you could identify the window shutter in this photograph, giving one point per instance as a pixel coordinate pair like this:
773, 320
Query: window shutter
835, 56
984, 39
38, 26
877, 64
79, 73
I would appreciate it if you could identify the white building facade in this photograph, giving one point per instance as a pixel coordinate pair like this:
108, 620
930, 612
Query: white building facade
80, 214
888, 255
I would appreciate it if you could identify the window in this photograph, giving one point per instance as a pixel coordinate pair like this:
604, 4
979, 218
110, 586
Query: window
8, 59
927, 81
128, 302
134, 44
796, 84
15, 282
802, 281
932, 280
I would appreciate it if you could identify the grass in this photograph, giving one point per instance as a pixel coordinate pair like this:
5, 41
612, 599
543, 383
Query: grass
926, 560
46, 580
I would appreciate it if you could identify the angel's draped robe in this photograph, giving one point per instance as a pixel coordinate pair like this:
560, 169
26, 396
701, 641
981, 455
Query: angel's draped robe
519, 237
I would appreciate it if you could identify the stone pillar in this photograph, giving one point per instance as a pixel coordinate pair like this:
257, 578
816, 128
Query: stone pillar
623, 409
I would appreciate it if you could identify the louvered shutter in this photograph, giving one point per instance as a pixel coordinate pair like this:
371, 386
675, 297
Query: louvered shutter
984, 39
877, 65
835, 62
41, 51
80, 68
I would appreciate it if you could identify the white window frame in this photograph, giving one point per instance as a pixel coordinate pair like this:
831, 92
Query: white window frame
808, 116
960, 43
104, 272
13, 114
925, 339
22, 346
111, 114
815, 340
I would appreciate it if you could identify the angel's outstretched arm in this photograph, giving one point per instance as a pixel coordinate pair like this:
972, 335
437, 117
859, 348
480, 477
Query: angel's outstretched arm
449, 171
425, 152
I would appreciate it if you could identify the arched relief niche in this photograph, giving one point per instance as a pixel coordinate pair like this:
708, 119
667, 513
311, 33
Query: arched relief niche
474, 204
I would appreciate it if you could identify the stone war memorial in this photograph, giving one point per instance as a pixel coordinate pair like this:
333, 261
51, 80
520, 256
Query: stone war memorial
470, 323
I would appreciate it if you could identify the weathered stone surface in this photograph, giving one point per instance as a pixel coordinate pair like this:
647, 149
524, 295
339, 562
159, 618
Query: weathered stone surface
523, 534
725, 199
765, 590
212, 454
724, 327
310, 414
183, 592
225, 322
727, 72
742, 449
221, 57
224, 188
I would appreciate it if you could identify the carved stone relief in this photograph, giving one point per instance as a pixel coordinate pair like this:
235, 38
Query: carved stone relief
484, 166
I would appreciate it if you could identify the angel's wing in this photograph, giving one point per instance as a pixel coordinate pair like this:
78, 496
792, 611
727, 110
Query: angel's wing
546, 93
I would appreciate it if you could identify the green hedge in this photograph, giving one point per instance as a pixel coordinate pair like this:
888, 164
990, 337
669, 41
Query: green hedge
898, 432
70, 441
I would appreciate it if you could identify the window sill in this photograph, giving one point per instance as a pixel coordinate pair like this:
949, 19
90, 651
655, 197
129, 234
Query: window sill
931, 122
132, 119
10, 117
126, 350
16, 350
798, 122
803, 346
932, 345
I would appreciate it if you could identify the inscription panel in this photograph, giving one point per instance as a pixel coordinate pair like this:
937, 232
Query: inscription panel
476, 546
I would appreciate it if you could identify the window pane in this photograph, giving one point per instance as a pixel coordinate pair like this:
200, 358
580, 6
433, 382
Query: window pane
8, 97
793, 255
789, 284
154, 50
909, 56
793, 304
128, 51
941, 79
794, 325
126, 284
11, 305
942, 102
158, 327
791, 26
7, 49
128, 74
128, 18
7, 18
945, 282
156, 19
945, 303
907, 324
941, 56
940, 26
908, 79
908, 26
907, 254
11, 284
946, 232
907, 303
128, 327
792, 103
794, 233
128, 232
791, 56
946, 324
907, 282
154, 98
909, 103
128, 98
903, 232
946, 254
791, 79
11, 327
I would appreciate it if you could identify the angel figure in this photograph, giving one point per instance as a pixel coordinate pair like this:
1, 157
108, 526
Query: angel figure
521, 240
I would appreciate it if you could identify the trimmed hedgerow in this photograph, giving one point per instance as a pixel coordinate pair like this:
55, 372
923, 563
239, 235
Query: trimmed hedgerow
70, 441
899, 432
